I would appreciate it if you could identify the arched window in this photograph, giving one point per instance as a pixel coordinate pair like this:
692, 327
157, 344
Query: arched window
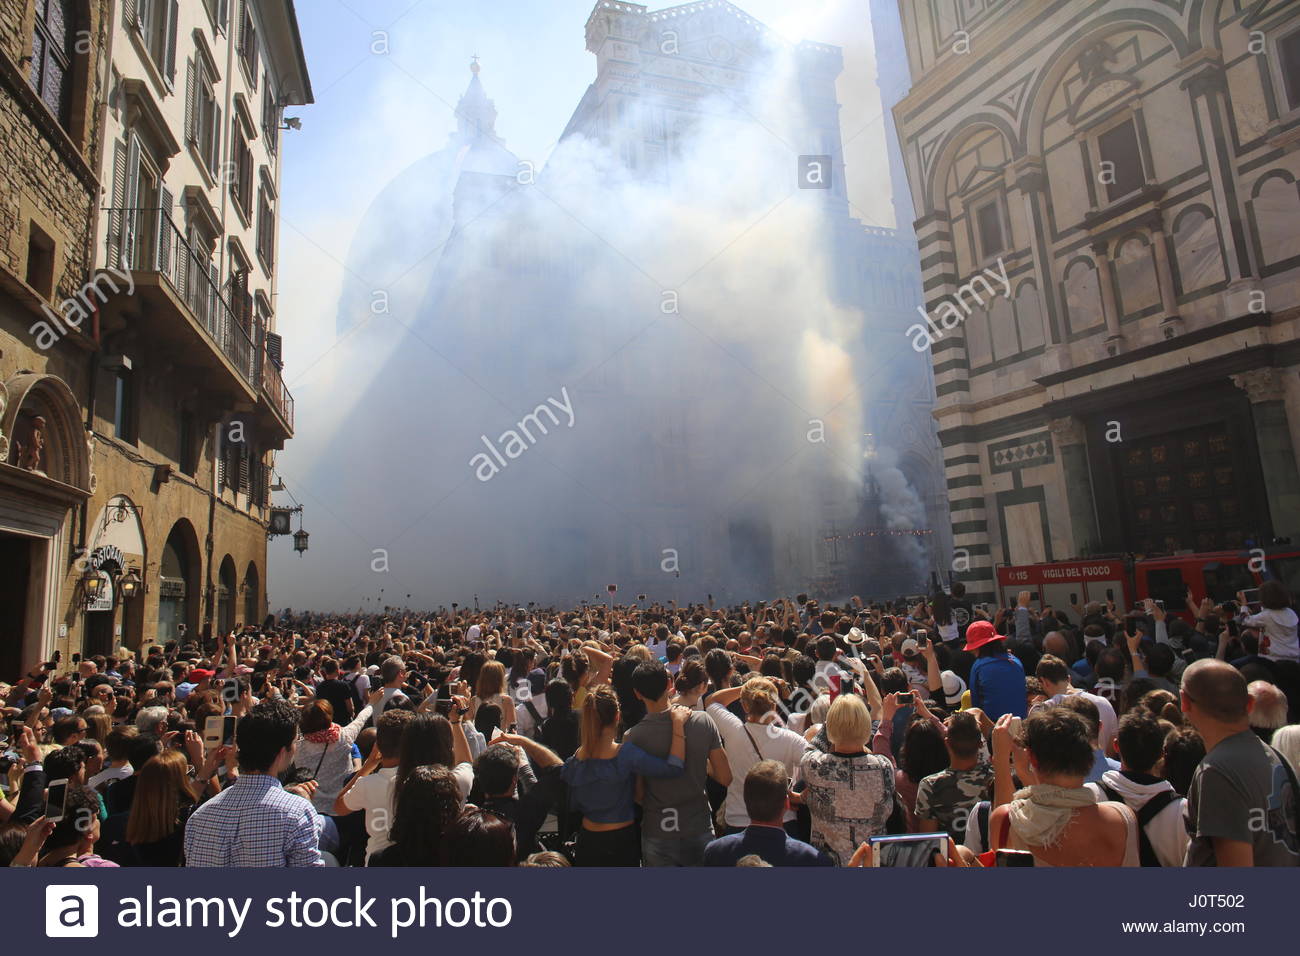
1082, 296
227, 588
1135, 270
1196, 249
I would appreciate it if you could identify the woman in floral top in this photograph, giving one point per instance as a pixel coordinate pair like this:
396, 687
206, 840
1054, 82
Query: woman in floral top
850, 791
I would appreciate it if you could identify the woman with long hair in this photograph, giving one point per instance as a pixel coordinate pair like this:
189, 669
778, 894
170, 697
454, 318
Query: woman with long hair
490, 691
98, 725
601, 777
429, 802
432, 740
941, 613
923, 753
164, 799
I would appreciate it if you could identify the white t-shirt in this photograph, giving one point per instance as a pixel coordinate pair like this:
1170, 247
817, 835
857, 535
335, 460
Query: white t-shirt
389, 694
1105, 710
523, 719
1281, 629
109, 774
473, 633
374, 794
741, 741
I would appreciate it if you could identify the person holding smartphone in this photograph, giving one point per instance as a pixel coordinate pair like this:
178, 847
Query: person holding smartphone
72, 841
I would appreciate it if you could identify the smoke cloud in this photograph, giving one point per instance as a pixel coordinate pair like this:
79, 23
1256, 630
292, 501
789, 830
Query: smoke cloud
692, 315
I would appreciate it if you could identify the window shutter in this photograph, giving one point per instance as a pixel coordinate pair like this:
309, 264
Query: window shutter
144, 15
183, 256
221, 458
131, 201
116, 215
214, 160
164, 231
274, 349
243, 467
191, 102
213, 298
169, 55
129, 13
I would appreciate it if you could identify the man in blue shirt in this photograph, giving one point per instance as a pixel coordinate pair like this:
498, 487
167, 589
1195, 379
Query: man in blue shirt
766, 793
255, 822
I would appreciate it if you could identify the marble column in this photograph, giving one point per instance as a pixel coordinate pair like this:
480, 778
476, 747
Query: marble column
1071, 450
1265, 387
1109, 307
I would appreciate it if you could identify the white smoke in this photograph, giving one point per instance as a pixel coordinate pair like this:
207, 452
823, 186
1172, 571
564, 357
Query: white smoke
693, 427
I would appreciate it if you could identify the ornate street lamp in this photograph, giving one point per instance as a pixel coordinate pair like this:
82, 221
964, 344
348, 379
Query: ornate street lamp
93, 582
130, 585
300, 541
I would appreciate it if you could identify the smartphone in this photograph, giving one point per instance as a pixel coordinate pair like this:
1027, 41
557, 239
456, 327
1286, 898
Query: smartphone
1014, 727
909, 850
443, 703
922, 640
1014, 858
55, 798
228, 730
1160, 604
212, 732
1074, 597
1110, 594
1251, 595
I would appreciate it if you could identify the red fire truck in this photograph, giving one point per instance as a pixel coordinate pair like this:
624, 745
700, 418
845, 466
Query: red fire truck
1127, 581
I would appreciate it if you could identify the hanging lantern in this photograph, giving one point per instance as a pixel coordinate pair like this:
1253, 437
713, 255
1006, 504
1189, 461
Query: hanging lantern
130, 585
300, 541
93, 581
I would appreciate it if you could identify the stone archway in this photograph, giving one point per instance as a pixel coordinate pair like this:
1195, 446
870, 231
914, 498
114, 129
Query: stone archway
252, 588
45, 472
178, 584
42, 430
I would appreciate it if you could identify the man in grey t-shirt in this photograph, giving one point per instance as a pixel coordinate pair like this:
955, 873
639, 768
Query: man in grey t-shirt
676, 824
1242, 805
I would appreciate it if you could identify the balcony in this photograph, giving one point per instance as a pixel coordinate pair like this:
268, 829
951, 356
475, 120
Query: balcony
176, 279
167, 271
276, 394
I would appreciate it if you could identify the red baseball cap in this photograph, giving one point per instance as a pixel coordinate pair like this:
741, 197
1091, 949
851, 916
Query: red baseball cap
198, 675
980, 633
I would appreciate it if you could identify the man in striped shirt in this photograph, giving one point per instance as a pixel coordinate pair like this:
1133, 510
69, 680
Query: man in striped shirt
254, 821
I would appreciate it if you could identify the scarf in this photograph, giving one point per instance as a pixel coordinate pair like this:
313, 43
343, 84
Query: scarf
327, 736
1040, 813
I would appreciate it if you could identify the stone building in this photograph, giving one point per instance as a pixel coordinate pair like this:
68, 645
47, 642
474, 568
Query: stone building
142, 388
1106, 200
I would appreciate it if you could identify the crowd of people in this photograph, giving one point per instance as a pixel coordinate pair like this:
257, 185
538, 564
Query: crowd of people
780, 734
